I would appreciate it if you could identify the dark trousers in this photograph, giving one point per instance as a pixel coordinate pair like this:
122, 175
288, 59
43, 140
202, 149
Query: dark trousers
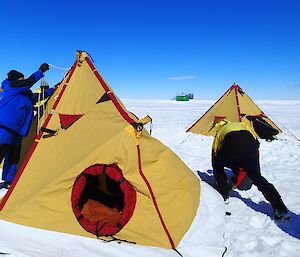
11, 155
252, 168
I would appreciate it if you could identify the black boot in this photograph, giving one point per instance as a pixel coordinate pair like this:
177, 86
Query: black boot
281, 214
272, 195
280, 210
7, 185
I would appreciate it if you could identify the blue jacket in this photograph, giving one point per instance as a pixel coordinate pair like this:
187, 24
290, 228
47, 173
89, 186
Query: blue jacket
16, 105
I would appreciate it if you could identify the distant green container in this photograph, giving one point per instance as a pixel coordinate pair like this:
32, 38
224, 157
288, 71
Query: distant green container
182, 98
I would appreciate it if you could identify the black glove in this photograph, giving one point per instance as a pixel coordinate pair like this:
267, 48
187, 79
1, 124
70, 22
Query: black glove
44, 67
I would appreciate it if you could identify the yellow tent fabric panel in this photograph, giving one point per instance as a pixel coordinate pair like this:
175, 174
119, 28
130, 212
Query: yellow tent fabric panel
173, 190
224, 107
76, 98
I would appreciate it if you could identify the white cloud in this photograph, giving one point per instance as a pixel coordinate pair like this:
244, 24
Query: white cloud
181, 78
295, 86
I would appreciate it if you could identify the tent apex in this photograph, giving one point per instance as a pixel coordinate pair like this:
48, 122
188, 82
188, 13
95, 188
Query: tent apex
82, 55
235, 86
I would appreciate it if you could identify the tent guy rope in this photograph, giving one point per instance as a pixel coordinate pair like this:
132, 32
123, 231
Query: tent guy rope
59, 68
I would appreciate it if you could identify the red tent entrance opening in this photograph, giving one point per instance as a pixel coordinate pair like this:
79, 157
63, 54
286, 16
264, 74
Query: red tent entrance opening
103, 201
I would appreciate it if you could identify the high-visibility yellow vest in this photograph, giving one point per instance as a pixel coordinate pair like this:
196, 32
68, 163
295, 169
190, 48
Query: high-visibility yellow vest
224, 130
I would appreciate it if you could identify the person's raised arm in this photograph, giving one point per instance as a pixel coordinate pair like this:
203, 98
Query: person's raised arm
29, 82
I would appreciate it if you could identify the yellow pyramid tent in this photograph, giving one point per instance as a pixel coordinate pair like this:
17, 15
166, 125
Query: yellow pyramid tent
94, 171
234, 105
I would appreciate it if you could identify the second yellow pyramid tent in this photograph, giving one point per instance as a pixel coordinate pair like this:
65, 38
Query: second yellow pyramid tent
235, 105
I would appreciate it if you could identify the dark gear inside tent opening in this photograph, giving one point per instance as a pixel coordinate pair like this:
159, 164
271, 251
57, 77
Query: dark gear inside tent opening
103, 201
262, 128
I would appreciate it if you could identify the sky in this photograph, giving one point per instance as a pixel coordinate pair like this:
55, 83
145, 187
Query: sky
156, 49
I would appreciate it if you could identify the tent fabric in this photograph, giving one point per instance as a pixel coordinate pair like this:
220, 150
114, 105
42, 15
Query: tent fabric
41, 193
235, 105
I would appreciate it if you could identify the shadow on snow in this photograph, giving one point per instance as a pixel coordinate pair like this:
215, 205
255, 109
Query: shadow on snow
291, 227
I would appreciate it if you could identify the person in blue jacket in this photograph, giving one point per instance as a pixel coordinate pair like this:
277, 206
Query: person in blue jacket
16, 115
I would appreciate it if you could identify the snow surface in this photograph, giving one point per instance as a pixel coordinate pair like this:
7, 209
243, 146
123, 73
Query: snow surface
250, 230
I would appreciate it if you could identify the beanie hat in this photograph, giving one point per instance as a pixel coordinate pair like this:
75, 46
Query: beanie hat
14, 75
